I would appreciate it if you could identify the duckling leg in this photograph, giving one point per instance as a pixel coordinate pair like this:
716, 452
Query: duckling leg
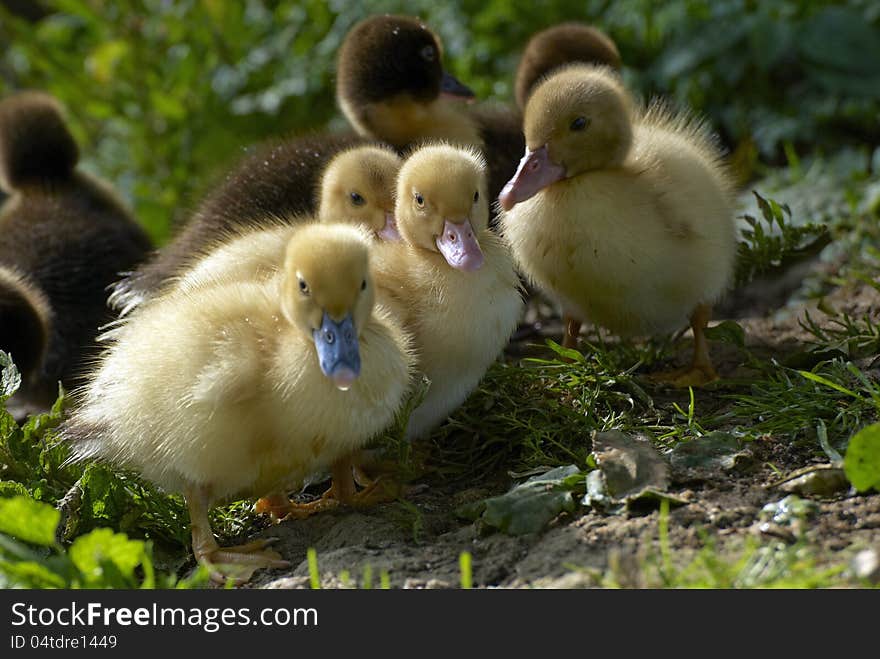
342, 491
700, 371
238, 562
572, 331
702, 363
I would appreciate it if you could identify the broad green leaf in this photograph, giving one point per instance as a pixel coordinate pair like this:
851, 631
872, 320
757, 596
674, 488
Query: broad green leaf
862, 460
530, 506
29, 520
727, 331
717, 451
30, 574
102, 553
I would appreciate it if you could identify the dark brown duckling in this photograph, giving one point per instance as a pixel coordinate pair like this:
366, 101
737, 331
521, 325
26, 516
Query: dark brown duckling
391, 86
64, 237
557, 46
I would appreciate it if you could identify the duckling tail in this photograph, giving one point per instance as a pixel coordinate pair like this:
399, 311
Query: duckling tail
35, 144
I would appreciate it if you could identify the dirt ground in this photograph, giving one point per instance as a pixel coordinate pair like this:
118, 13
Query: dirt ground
418, 544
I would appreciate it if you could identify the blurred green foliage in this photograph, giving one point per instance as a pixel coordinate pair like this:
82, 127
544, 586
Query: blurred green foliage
163, 95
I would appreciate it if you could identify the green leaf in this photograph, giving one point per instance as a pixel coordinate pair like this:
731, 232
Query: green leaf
566, 353
530, 506
30, 574
828, 383
29, 520
103, 556
727, 331
715, 451
862, 460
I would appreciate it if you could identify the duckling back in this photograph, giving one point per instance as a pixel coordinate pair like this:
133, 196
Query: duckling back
64, 235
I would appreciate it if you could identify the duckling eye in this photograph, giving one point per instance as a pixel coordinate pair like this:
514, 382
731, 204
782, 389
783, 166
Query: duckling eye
428, 53
420, 200
579, 124
357, 199
364, 285
476, 196
303, 287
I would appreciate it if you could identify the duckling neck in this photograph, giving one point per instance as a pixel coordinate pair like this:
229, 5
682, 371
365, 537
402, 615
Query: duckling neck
403, 120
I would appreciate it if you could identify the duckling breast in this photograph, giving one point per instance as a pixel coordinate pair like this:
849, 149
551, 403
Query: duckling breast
631, 250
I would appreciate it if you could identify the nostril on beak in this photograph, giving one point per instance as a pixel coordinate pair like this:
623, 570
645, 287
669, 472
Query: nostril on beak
452, 237
329, 336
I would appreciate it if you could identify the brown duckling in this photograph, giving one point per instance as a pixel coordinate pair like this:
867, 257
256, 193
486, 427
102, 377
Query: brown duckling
391, 86
557, 46
247, 387
64, 237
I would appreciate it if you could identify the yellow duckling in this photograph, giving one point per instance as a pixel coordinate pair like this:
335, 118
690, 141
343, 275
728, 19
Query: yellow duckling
358, 187
624, 216
242, 388
452, 279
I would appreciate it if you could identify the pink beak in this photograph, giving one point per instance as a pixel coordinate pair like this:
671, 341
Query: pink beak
389, 231
535, 172
459, 246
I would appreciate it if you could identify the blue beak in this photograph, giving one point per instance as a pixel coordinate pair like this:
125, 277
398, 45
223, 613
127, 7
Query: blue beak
338, 352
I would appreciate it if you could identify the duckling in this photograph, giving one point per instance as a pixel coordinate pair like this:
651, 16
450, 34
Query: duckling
357, 187
391, 86
244, 387
452, 278
64, 237
558, 46
624, 216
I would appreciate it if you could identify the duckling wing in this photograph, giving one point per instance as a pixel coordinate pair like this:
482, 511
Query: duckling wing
231, 374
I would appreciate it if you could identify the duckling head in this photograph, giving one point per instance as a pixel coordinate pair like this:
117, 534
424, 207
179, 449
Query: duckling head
35, 144
442, 205
386, 59
327, 293
358, 187
576, 121
557, 46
